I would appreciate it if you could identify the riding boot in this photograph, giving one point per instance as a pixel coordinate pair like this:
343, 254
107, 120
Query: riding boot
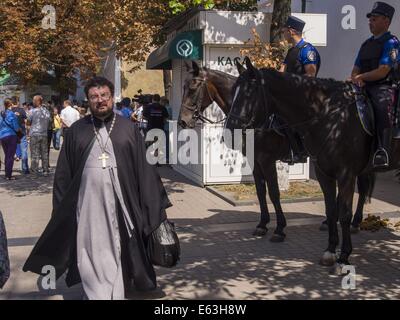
381, 157
296, 153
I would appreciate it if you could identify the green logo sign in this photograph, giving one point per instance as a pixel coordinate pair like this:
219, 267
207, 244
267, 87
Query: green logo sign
184, 48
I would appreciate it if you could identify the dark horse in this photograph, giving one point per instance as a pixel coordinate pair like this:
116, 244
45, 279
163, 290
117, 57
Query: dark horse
324, 112
201, 89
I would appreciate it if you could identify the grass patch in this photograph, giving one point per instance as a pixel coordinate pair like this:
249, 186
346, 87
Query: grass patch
297, 190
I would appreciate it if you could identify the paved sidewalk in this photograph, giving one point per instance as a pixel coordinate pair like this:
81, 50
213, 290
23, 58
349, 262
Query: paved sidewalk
220, 257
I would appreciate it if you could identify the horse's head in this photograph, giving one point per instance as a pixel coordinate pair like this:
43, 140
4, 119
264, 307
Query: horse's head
196, 95
247, 110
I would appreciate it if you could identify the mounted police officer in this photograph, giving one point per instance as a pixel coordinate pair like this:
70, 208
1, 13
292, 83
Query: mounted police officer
302, 59
374, 69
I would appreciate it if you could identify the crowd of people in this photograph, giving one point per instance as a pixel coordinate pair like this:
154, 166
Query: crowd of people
36, 126
147, 112
39, 125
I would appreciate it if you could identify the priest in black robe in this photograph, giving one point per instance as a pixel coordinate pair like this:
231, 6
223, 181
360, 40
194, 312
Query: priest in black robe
107, 200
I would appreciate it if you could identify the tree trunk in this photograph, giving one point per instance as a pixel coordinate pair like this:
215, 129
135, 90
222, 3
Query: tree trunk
282, 10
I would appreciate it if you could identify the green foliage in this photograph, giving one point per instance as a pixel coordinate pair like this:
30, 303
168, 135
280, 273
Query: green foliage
178, 6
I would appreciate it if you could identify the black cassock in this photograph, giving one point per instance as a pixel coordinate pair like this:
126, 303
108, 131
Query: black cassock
143, 193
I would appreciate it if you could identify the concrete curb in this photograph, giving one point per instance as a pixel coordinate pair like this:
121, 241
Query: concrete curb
241, 203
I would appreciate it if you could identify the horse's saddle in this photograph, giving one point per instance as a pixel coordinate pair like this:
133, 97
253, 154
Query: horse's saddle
366, 115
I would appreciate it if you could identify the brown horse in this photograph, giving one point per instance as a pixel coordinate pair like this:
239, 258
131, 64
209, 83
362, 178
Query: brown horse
201, 89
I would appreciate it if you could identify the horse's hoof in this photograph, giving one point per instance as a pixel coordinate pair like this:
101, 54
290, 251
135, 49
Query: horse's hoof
354, 230
277, 238
328, 259
260, 232
323, 227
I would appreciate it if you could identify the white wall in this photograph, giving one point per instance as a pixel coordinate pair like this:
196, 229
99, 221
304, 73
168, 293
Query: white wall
229, 27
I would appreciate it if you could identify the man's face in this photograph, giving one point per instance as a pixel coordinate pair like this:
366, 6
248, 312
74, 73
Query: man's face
286, 34
378, 24
100, 100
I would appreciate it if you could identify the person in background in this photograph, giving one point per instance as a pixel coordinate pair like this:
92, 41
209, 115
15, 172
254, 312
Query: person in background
138, 118
39, 119
68, 116
56, 129
50, 108
9, 128
126, 109
22, 148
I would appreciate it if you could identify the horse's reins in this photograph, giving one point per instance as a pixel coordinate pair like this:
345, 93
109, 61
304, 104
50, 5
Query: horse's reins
199, 97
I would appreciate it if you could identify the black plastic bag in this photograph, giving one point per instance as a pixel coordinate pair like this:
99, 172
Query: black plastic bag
164, 248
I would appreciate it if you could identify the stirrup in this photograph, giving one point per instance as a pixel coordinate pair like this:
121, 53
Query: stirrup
386, 164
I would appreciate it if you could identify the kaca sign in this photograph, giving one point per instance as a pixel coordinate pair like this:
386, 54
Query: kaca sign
228, 61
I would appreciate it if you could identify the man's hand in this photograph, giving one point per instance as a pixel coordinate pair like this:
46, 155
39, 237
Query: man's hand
311, 70
358, 80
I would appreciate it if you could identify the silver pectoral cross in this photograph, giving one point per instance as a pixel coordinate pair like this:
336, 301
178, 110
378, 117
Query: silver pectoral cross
104, 158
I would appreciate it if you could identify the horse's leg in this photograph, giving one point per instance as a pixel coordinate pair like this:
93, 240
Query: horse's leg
346, 186
261, 229
274, 194
365, 184
328, 186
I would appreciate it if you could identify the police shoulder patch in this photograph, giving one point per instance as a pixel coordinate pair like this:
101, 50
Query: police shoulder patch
311, 55
394, 53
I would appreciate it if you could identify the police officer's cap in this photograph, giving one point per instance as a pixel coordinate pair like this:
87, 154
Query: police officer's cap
382, 9
295, 23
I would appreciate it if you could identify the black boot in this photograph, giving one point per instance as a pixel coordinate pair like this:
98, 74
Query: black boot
381, 157
297, 153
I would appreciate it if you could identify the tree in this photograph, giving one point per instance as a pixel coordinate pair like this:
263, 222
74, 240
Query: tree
178, 6
84, 32
282, 10
270, 54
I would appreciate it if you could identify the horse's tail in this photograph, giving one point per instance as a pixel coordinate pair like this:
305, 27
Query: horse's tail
371, 186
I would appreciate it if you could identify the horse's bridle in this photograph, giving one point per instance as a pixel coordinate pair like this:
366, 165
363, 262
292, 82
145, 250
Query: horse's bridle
198, 98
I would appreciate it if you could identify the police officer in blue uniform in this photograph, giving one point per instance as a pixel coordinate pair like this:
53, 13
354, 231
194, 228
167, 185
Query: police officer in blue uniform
375, 70
302, 59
